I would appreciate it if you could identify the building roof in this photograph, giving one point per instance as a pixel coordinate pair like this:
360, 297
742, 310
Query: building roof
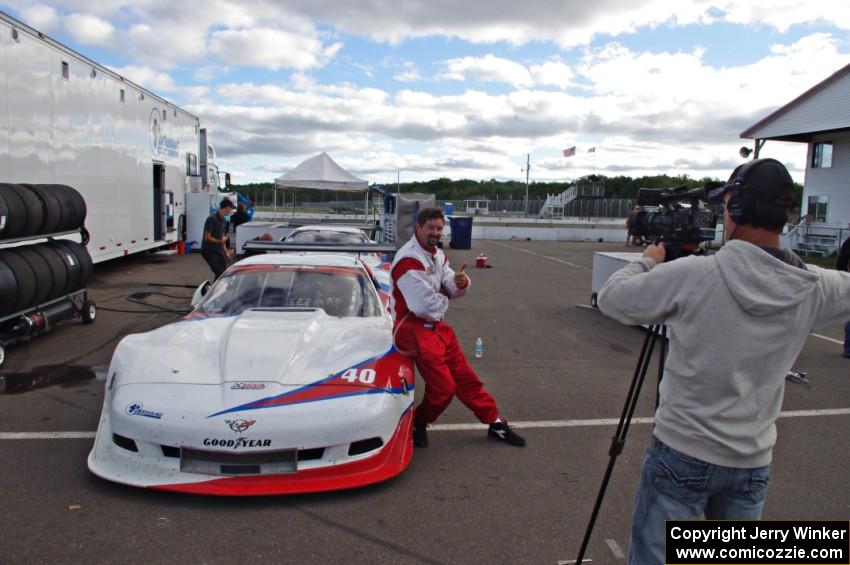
782, 111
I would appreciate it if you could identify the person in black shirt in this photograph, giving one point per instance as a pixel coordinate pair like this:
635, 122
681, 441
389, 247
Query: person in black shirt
842, 265
214, 246
239, 216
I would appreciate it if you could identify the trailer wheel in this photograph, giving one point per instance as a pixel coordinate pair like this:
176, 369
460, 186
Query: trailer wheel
2, 355
593, 301
89, 312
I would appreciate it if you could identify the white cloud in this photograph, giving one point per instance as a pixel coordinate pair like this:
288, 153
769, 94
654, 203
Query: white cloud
409, 73
41, 17
497, 69
567, 23
149, 78
646, 112
270, 48
487, 69
89, 29
554, 73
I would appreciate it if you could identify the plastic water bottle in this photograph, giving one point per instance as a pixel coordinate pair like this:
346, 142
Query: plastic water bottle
479, 348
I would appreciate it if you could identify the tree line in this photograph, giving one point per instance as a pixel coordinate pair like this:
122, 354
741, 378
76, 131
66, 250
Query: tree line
466, 189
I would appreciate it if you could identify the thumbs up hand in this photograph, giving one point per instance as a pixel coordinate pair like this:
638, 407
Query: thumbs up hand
461, 279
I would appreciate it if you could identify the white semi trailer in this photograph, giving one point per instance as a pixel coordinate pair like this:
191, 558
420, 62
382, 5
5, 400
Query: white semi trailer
65, 119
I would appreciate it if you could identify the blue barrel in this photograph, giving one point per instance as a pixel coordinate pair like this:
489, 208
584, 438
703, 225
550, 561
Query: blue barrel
461, 232
448, 208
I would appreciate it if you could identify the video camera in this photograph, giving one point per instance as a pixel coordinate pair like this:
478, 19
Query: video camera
680, 219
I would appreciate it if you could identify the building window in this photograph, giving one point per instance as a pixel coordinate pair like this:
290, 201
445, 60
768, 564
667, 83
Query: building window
191, 164
16, 36
822, 155
817, 208
122, 95
66, 70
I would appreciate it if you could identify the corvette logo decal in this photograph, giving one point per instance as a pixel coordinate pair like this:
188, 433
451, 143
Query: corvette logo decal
239, 426
378, 375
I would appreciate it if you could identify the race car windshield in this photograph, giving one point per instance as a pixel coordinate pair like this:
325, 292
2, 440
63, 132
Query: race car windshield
340, 291
327, 236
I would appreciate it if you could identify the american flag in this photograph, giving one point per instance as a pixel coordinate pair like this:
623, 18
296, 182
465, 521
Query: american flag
592, 150
570, 151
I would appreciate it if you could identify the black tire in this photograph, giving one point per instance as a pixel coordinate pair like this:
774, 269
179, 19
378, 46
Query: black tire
8, 289
88, 312
593, 300
2, 354
68, 204
81, 205
4, 215
16, 209
73, 270
58, 274
34, 211
25, 278
43, 277
84, 259
50, 206
77, 204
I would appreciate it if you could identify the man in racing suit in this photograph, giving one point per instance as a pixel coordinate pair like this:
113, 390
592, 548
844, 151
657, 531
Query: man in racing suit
738, 320
422, 284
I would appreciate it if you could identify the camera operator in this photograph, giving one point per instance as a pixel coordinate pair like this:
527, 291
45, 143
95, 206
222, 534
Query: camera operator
738, 320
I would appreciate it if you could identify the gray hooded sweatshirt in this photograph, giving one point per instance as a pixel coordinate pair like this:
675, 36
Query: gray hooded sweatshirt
738, 319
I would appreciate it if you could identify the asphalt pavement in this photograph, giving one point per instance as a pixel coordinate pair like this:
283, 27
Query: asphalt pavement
559, 370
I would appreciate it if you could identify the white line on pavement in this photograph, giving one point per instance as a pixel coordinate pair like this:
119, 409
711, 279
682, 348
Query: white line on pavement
827, 338
615, 549
46, 435
615, 421
534, 424
539, 255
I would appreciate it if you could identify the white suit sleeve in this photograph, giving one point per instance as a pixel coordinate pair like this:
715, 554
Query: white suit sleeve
448, 281
421, 298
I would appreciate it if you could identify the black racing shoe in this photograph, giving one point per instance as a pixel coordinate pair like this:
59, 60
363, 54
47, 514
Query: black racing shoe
420, 434
503, 432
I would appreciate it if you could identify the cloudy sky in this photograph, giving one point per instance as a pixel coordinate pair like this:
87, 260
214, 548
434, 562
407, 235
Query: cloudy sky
441, 88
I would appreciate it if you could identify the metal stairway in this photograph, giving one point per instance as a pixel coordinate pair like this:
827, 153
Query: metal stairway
555, 203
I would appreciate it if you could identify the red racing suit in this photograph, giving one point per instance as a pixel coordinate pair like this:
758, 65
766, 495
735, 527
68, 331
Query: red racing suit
422, 284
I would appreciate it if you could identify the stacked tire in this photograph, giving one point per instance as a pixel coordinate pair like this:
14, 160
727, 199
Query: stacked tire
30, 210
33, 274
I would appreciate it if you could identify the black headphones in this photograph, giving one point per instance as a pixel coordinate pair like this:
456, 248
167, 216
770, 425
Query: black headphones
740, 206
742, 203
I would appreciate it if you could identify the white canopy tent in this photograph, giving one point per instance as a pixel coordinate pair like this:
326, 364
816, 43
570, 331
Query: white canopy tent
322, 173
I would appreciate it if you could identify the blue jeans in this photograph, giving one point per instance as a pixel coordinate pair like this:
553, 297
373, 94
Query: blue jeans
675, 486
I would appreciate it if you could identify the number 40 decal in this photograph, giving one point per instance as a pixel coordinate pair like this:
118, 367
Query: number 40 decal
365, 376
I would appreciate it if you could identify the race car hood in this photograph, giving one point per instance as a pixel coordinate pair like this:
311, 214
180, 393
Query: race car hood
286, 346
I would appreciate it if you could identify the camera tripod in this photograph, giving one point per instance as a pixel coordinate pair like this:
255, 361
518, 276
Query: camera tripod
619, 439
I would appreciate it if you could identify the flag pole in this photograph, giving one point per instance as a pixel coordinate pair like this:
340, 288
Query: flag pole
527, 171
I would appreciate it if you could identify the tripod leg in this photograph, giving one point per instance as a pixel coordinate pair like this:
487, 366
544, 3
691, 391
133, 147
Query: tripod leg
619, 439
662, 357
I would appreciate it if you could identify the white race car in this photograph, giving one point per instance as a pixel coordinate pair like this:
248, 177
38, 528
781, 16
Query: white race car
340, 235
283, 379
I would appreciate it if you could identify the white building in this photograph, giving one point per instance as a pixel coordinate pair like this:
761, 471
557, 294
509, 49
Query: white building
820, 117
